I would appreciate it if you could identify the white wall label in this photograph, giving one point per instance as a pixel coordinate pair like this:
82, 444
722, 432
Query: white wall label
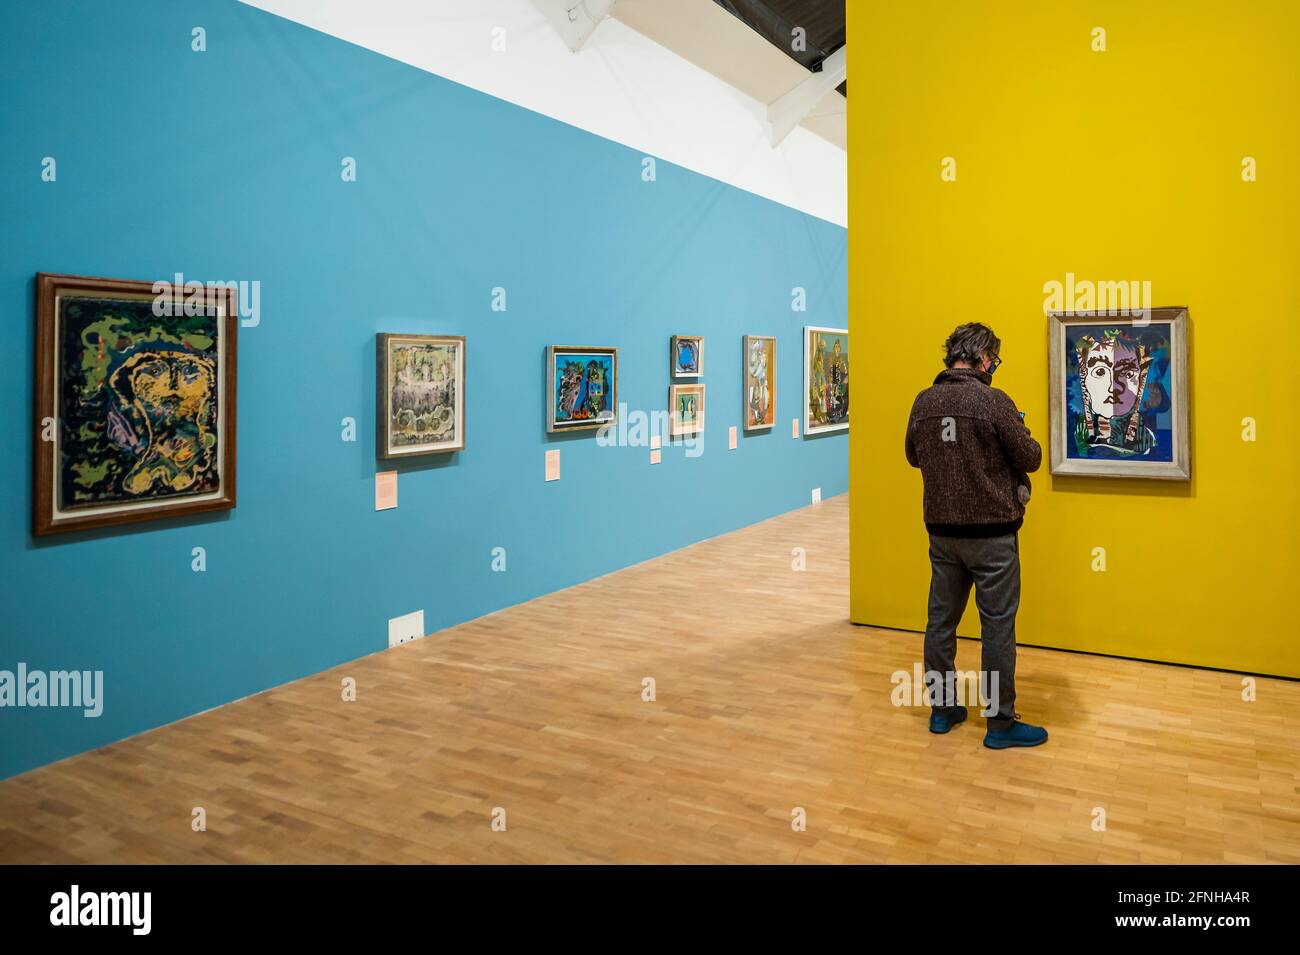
655, 456
385, 490
817, 495
794, 428
553, 465
656, 442
731, 438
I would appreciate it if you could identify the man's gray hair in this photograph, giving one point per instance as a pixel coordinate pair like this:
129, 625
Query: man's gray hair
969, 342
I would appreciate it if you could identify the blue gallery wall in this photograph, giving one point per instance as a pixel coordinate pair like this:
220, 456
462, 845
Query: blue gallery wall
225, 165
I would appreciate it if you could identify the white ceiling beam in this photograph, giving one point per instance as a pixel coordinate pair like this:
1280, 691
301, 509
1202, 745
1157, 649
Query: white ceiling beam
575, 20
785, 112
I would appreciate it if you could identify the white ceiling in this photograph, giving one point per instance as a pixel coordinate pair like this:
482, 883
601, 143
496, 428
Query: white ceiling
702, 105
708, 36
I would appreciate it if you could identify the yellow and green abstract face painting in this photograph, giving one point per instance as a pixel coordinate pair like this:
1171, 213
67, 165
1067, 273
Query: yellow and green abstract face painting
137, 402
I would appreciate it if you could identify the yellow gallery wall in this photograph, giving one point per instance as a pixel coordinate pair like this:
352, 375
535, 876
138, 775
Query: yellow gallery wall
1116, 165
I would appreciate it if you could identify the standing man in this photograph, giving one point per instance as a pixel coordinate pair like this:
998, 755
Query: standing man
975, 454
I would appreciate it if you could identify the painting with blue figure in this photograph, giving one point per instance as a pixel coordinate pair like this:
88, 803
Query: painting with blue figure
1118, 392
687, 356
583, 387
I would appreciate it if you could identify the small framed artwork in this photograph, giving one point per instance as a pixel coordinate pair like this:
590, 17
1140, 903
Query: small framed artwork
686, 409
1119, 398
825, 379
687, 353
582, 387
760, 382
135, 402
420, 402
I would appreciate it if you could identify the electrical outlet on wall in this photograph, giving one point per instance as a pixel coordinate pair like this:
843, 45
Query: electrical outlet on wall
817, 495
406, 628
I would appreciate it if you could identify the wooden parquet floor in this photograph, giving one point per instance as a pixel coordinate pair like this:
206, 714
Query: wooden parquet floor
766, 701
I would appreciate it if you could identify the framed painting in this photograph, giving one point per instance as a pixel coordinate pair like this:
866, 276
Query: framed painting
581, 387
135, 402
825, 379
686, 409
760, 382
1119, 398
420, 403
687, 352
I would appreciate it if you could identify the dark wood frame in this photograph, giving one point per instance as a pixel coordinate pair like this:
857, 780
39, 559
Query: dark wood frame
48, 285
551, 352
382, 451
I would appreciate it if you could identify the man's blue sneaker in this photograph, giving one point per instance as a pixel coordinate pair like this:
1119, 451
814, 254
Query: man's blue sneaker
942, 722
1017, 734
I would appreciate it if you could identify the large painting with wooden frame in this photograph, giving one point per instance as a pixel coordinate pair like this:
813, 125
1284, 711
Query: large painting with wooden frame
1119, 397
135, 401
